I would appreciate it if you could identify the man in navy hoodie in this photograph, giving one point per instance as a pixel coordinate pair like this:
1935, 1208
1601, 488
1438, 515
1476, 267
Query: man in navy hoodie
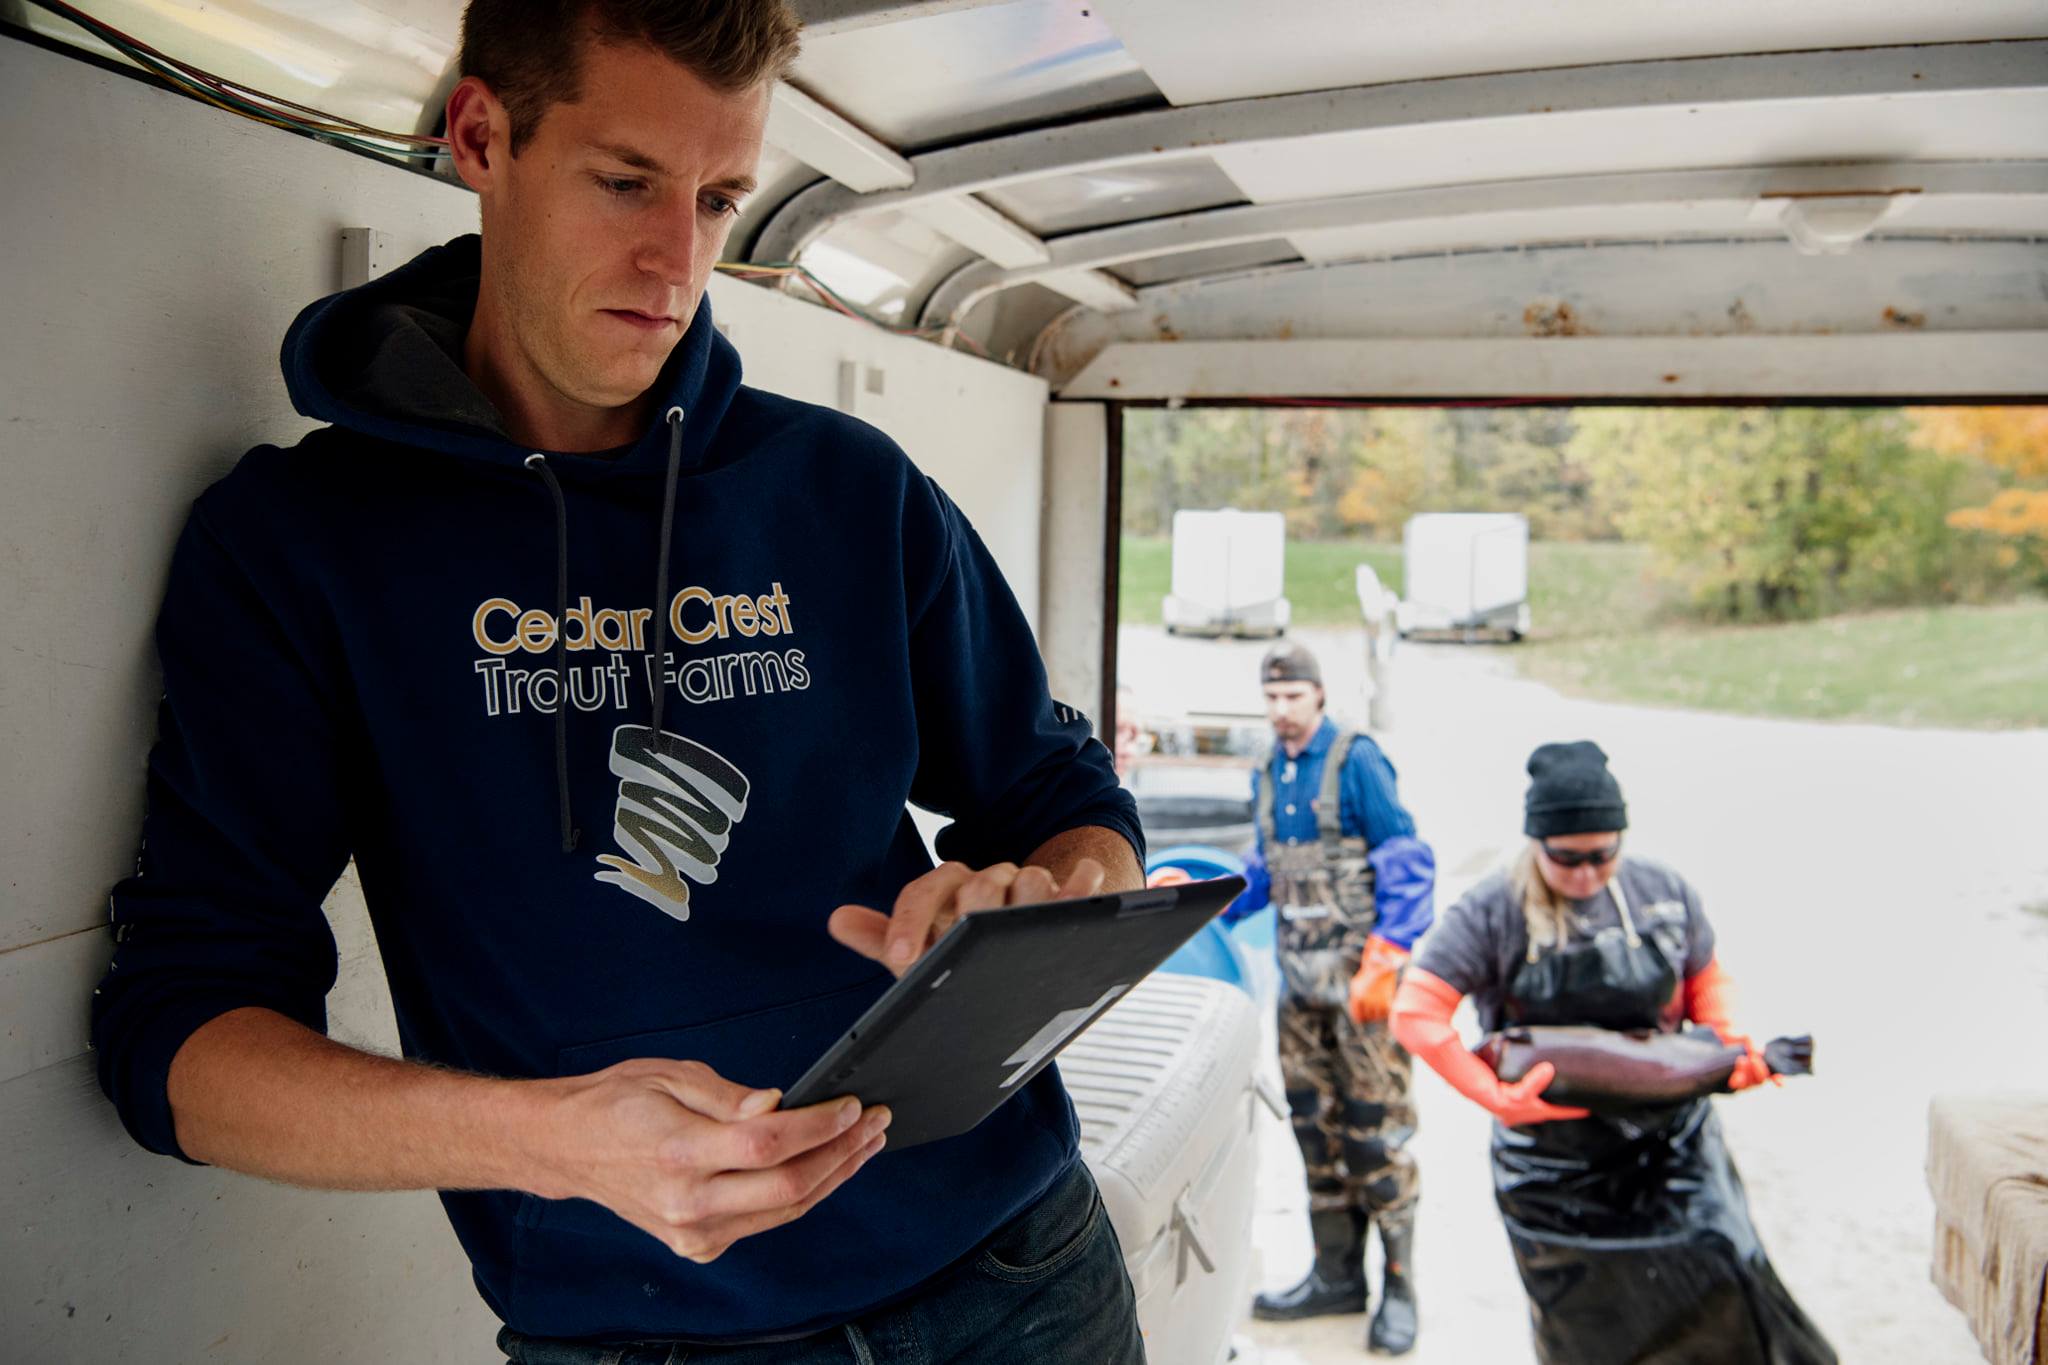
613, 676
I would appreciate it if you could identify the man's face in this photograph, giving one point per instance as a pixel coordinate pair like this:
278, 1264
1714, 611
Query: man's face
1295, 709
602, 232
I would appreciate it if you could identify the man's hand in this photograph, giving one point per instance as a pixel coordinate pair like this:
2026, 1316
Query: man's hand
929, 906
694, 1160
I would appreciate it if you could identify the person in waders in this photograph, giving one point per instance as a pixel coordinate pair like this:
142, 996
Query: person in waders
1631, 1231
1338, 858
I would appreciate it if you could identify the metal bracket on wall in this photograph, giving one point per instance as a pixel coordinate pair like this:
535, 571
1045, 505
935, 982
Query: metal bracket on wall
365, 254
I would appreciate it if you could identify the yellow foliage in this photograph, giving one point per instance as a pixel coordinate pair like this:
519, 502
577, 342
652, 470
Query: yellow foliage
2012, 438
1360, 504
2011, 512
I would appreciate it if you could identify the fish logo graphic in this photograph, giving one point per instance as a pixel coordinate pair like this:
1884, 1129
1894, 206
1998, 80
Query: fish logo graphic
678, 802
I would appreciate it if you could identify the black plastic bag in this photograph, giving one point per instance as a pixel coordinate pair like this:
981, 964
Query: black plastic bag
1634, 1243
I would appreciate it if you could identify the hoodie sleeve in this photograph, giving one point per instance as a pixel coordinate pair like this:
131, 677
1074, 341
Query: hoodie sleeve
1009, 764
243, 838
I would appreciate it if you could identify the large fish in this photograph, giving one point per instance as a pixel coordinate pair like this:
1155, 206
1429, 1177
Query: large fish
1607, 1069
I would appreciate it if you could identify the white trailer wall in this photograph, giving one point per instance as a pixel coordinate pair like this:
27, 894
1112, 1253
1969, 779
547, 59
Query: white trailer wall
152, 252
1073, 565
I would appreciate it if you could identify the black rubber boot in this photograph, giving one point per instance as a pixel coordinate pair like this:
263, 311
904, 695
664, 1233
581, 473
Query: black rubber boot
1393, 1327
1335, 1283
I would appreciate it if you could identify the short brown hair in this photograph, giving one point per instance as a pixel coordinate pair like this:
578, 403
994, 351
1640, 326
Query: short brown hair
530, 52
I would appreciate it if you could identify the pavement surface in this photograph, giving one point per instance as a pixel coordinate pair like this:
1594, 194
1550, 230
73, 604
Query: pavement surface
1885, 890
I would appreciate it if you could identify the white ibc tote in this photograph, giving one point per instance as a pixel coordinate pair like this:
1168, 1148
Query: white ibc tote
1465, 572
1163, 1084
1229, 574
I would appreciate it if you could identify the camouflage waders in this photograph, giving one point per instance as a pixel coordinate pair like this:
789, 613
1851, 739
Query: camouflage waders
1347, 1083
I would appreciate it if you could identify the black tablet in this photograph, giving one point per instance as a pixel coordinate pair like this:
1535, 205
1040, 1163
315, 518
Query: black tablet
996, 999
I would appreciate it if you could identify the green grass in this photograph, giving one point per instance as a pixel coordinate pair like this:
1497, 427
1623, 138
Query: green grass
1575, 589
1979, 667
1601, 628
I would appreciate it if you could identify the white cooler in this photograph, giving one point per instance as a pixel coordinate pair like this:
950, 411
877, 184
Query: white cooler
1164, 1086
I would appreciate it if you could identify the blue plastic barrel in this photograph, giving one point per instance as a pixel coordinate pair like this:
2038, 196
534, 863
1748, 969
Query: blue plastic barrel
1200, 861
1213, 952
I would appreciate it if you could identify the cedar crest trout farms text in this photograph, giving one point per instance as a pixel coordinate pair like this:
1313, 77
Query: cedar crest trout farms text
519, 645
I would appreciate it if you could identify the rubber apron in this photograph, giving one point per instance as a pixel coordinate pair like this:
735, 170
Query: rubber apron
1632, 1235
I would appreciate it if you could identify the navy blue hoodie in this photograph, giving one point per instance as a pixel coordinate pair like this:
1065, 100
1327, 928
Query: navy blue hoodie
363, 649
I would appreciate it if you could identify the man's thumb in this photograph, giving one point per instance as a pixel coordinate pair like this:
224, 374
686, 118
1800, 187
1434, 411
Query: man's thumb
703, 1090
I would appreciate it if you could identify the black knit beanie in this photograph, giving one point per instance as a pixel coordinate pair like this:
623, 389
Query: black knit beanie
1571, 792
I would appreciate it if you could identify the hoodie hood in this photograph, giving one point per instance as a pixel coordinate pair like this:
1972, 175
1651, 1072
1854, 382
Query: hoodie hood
385, 360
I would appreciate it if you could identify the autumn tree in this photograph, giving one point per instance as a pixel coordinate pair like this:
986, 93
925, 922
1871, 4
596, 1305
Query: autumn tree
1776, 513
1396, 472
1332, 471
2012, 442
1521, 459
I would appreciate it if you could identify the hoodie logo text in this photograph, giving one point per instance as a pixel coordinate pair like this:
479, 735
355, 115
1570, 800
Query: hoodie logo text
518, 645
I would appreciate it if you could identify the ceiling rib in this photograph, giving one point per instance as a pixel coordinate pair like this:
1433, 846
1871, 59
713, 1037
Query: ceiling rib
1571, 369
1201, 129
833, 144
958, 294
980, 228
1103, 293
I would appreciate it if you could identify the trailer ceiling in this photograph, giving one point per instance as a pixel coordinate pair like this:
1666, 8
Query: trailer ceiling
1083, 187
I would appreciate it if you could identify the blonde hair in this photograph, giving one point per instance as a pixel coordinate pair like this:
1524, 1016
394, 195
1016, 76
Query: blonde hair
1543, 909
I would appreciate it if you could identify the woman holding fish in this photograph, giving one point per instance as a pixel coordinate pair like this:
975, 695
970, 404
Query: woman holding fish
1626, 1216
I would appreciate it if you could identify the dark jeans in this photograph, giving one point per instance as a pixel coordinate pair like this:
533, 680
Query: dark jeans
1050, 1286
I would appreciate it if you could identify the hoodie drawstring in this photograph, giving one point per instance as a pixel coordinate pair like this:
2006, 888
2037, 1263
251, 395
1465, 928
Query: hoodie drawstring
668, 525
538, 463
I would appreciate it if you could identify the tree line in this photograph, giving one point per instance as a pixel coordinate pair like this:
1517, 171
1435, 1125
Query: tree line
1752, 512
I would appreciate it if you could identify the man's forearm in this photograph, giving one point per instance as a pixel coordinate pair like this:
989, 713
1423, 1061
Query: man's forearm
256, 1092
1059, 854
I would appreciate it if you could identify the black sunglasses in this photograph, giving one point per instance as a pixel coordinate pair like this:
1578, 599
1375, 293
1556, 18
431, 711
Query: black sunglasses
1583, 857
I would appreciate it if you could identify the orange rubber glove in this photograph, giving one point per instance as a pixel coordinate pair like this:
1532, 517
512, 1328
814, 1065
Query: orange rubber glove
1379, 971
1422, 1023
1706, 1003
